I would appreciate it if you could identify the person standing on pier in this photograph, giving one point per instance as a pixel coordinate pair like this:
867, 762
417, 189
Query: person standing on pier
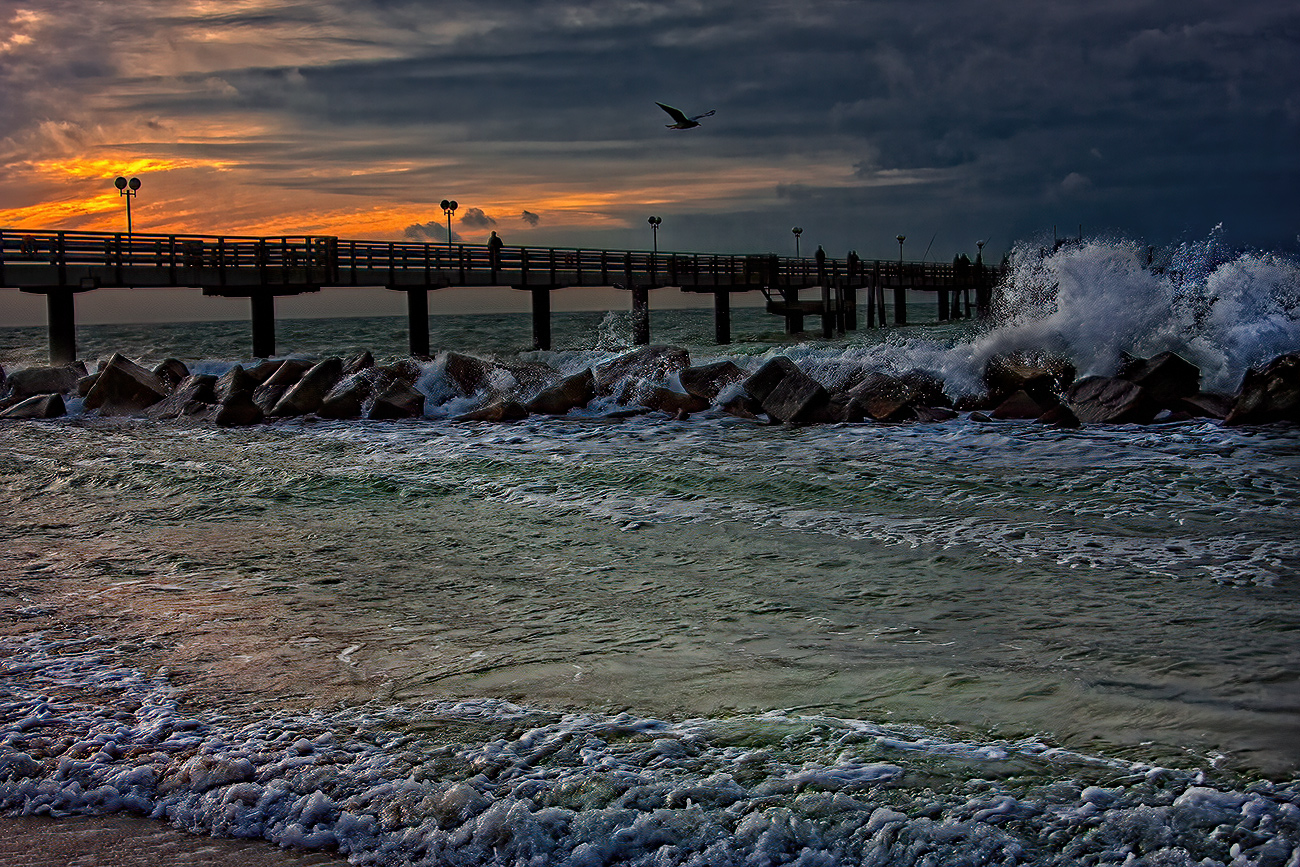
494, 246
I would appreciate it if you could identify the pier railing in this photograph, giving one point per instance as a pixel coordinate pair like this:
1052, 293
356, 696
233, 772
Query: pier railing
60, 264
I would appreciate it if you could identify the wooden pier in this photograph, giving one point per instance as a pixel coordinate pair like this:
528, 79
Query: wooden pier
59, 265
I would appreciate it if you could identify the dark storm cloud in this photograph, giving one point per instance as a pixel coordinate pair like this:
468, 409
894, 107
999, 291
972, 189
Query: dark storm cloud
530, 218
430, 231
474, 218
1156, 117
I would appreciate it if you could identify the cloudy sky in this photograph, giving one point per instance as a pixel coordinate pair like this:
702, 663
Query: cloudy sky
855, 119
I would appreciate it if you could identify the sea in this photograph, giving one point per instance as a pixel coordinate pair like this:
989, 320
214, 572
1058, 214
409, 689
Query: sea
624, 638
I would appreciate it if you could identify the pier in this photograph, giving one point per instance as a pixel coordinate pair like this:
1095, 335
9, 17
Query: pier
60, 265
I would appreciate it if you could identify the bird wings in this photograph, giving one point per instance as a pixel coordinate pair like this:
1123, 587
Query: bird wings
682, 121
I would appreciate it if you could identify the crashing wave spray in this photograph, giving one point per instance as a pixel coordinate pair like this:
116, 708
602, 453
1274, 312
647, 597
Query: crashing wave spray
1093, 301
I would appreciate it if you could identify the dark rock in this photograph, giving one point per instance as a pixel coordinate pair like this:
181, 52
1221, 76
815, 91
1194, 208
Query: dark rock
348, 397
889, 397
1060, 416
85, 384
672, 402
234, 381
468, 375
743, 406
38, 407
192, 396
2, 378
31, 381
239, 410
933, 414
305, 395
979, 416
408, 370
570, 393
760, 384
171, 372
1109, 400
1207, 404
647, 364
286, 375
359, 362
124, 388
796, 398
707, 380
1018, 405
398, 399
1172, 416
506, 410
1167, 377
1268, 394
1042, 379
265, 370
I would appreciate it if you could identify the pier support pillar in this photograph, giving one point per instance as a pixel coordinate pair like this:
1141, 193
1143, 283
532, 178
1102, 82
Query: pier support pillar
793, 312
944, 312
541, 317
61, 318
850, 298
263, 310
900, 305
722, 316
640, 315
417, 314
828, 313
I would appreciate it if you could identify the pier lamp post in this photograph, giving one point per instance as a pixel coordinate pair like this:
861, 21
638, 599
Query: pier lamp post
448, 208
130, 189
796, 231
900, 239
654, 231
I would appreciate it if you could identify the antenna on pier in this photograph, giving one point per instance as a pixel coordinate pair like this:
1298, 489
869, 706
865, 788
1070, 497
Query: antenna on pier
929, 245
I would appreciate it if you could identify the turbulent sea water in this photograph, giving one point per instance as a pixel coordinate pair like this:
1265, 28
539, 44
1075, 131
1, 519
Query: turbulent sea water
613, 640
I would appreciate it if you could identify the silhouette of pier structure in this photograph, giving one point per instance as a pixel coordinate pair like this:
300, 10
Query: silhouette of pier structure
59, 265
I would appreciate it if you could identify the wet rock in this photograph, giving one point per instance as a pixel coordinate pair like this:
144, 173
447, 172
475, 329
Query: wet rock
171, 372
743, 406
32, 381
398, 399
305, 395
408, 370
239, 410
570, 393
468, 375
1109, 400
193, 396
1042, 379
934, 414
672, 402
234, 381
761, 383
286, 374
1060, 416
1019, 406
1167, 377
85, 384
648, 364
890, 397
797, 398
38, 407
1207, 404
359, 362
124, 388
3, 378
707, 380
505, 410
1268, 394
348, 397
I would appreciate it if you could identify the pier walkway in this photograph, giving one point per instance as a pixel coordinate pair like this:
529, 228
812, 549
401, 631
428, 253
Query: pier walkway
59, 265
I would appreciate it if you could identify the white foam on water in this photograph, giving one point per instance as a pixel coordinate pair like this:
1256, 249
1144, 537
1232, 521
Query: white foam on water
489, 782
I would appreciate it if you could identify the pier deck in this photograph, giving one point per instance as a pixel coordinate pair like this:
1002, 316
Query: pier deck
61, 264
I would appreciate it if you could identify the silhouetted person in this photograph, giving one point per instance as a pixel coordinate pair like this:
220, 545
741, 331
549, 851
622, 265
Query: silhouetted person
853, 262
820, 256
494, 246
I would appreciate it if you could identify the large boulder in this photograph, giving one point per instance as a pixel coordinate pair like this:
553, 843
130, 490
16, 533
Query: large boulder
306, 395
239, 410
124, 388
1268, 394
31, 381
41, 406
361, 361
504, 410
796, 398
648, 364
193, 396
398, 399
661, 399
468, 375
234, 381
171, 372
572, 392
707, 380
1167, 377
287, 373
1042, 379
348, 397
1206, 404
1110, 400
1019, 406
895, 397
761, 382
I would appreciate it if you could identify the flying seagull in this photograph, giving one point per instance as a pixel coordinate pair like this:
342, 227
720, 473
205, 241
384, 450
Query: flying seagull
683, 122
